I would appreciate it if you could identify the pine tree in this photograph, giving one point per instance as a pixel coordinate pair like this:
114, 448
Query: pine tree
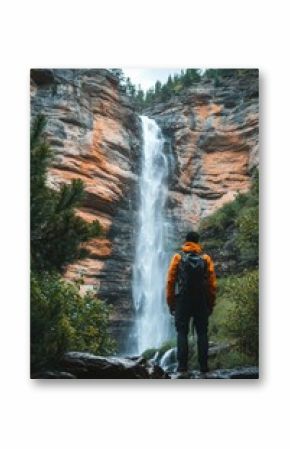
139, 98
56, 232
165, 92
170, 82
194, 75
187, 80
157, 88
149, 96
175, 78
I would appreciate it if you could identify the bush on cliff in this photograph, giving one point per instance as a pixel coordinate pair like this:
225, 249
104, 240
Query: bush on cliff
240, 294
234, 231
248, 226
63, 320
236, 222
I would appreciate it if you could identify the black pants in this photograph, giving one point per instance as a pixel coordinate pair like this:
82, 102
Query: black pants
198, 311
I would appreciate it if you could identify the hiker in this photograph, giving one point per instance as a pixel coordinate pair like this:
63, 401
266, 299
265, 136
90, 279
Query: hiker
191, 293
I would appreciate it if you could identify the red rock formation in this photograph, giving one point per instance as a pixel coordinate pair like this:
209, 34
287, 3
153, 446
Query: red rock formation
95, 135
212, 142
212, 135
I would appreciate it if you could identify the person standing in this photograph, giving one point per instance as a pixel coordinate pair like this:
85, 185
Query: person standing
191, 294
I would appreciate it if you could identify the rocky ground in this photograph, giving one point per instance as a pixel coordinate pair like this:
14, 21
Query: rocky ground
248, 372
78, 365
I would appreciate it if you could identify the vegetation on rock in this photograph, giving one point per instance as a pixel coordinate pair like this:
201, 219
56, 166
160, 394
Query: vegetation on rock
234, 324
235, 318
235, 228
56, 232
176, 84
61, 318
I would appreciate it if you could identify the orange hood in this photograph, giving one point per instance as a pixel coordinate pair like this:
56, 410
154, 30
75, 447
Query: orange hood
191, 246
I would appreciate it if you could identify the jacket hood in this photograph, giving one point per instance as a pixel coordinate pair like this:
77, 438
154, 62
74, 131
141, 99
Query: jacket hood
191, 246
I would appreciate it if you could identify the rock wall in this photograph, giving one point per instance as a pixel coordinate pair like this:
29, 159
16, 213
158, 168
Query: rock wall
212, 145
96, 135
212, 135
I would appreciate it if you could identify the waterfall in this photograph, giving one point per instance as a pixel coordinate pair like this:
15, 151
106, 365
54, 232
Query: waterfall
152, 325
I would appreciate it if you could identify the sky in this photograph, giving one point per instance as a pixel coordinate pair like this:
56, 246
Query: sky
148, 77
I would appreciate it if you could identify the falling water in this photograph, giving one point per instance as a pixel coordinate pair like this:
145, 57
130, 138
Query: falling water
151, 261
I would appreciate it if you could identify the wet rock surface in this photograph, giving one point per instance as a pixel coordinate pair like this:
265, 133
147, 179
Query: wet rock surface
79, 365
247, 372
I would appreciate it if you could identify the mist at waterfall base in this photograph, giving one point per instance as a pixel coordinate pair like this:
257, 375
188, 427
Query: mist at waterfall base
153, 324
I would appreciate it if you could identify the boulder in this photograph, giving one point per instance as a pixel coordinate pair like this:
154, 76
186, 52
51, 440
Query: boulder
80, 365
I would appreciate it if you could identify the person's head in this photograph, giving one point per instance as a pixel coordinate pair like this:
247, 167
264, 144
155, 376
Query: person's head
192, 237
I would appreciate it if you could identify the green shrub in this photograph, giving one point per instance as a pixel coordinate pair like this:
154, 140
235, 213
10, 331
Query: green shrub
248, 235
241, 321
231, 358
217, 323
62, 320
228, 358
225, 216
236, 227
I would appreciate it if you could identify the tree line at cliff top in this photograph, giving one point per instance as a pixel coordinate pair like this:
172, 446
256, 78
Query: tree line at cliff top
176, 84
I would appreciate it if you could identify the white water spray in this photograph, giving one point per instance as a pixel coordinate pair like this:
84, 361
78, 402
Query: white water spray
151, 260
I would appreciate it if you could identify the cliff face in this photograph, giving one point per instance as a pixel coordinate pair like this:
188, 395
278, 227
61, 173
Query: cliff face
212, 142
212, 135
95, 135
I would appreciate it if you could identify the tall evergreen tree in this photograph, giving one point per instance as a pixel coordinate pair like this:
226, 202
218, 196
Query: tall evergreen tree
175, 78
170, 82
56, 232
139, 98
194, 75
157, 88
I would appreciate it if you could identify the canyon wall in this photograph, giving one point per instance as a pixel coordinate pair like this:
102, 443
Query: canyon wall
212, 141
95, 135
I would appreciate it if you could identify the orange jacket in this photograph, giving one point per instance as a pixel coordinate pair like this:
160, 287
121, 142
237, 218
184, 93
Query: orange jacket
173, 269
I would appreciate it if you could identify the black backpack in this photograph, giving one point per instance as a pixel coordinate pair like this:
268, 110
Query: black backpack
192, 275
